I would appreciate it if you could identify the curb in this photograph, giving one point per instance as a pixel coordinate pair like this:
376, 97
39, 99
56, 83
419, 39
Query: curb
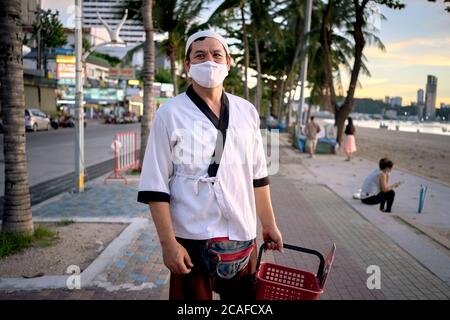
427, 231
86, 278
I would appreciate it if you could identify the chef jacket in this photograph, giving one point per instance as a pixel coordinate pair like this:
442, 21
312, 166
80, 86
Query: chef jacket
205, 167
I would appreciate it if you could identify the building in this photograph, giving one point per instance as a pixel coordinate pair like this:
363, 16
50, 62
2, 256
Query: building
132, 32
396, 101
429, 111
29, 11
387, 100
420, 95
420, 103
95, 68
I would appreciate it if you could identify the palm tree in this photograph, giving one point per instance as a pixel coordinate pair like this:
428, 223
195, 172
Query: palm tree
17, 215
149, 76
259, 29
261, 20
178, 19
225, 7
355, 24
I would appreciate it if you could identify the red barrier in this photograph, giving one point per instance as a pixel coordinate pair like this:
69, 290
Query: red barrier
125, 154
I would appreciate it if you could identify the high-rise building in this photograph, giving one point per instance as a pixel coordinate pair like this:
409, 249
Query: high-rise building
387, 100
420, 104
430, 98
420, 94
132, 32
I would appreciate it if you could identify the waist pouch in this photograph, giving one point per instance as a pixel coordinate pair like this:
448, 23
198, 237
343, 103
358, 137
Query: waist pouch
225, 258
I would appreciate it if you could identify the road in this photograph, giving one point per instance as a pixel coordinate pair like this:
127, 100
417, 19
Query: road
51, 153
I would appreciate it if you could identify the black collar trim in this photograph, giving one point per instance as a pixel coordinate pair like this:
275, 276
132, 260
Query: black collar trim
220, 124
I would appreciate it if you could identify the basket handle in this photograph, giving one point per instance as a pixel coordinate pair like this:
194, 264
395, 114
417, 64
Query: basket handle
320, 273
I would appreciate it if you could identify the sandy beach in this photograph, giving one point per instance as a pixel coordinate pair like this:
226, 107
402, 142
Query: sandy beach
424, 154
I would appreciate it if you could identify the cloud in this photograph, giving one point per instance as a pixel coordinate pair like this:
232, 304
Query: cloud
415, 43
413, 52
374, 81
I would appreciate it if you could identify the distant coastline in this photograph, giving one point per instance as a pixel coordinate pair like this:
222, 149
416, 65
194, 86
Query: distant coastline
407, 126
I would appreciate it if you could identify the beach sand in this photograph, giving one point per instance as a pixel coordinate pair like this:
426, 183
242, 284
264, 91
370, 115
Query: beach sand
424, 154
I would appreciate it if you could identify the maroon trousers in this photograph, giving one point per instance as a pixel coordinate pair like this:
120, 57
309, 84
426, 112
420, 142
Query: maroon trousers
199, 284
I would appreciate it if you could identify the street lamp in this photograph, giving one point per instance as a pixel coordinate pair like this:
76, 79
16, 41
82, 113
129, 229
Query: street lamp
79, 114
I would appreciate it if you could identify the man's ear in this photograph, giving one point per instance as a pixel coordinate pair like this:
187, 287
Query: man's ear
187, 65
229, 61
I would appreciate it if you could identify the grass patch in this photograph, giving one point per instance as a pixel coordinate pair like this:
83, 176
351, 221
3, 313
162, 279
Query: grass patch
64, 222
134, 172
14, 242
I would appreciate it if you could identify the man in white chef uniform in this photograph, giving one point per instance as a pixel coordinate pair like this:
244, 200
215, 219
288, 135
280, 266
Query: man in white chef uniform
205, 178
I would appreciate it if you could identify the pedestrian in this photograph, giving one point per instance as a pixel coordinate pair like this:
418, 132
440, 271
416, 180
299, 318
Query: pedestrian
376, 188
349, 144
311, 131
205, 178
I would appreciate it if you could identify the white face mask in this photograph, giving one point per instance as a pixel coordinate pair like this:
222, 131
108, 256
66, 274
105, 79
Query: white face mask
208, 74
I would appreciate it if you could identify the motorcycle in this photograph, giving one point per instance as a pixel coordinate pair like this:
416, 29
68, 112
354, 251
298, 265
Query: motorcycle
54, 123
67, 122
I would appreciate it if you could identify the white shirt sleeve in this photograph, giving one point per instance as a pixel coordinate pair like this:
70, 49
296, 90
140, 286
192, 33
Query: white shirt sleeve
260, 175
157, 166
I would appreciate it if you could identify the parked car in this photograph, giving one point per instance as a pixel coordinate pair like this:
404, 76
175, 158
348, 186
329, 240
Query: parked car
36, 120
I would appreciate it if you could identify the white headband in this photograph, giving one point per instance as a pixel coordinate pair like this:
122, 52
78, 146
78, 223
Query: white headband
207, 34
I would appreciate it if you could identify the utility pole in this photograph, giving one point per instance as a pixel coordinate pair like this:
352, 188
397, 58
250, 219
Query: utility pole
79, 114
304, 68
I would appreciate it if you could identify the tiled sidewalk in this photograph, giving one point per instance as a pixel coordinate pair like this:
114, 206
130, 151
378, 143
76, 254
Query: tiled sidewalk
309, 215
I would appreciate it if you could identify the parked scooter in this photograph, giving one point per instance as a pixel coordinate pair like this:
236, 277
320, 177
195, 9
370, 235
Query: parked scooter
67, 121
54, 122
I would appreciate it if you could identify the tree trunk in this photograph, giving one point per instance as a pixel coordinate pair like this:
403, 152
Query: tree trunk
292, 88
281, 92
173, 69
258, 94
246, 51
17, 215
325, 41
341, 113
293, 73
273, 98
148, 75
358, 36
45, 62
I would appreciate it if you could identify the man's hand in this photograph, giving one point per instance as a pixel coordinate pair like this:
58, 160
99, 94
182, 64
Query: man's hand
176, 258
273, 235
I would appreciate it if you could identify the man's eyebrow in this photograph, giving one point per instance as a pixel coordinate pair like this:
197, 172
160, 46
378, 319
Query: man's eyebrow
199, 51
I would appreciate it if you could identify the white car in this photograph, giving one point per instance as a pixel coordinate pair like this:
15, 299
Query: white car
36, 120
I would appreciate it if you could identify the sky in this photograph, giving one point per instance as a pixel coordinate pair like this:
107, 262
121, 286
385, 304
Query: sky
417, 41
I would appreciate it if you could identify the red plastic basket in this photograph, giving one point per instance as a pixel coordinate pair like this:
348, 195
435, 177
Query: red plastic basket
276, 282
